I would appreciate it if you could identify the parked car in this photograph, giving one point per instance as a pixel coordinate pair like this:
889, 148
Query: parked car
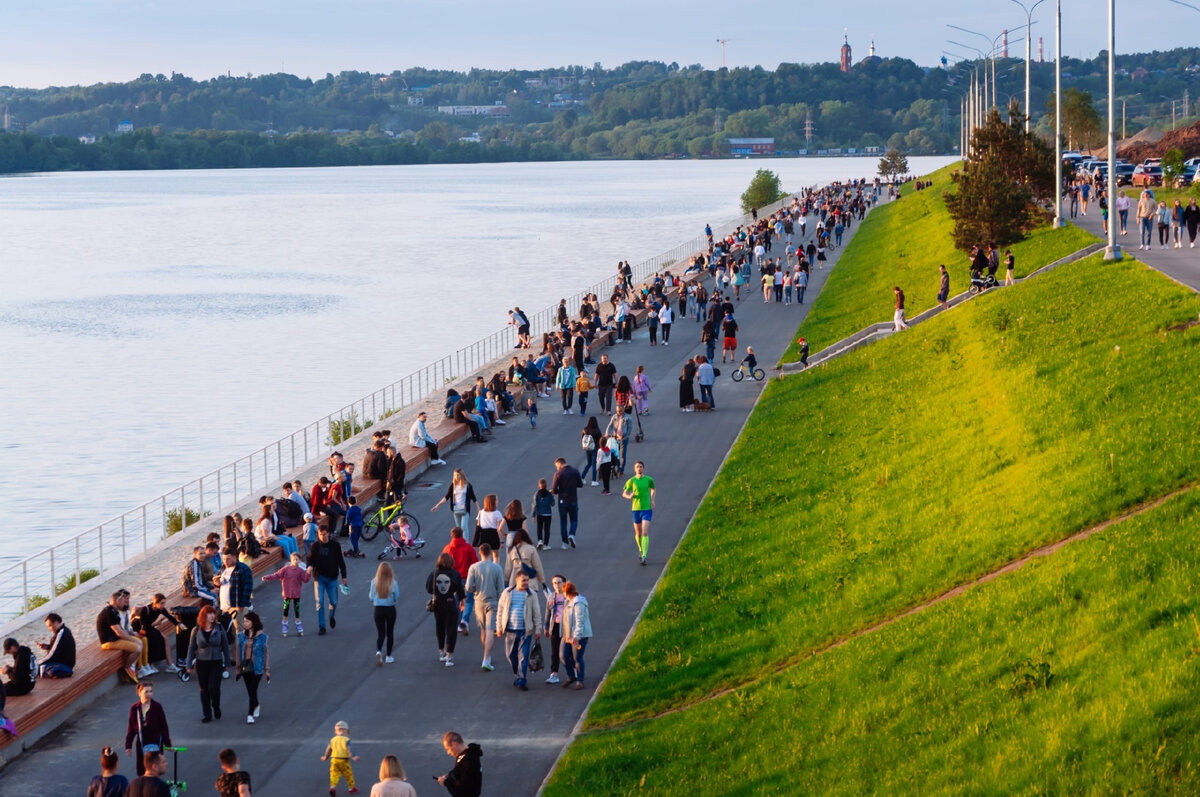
1144, 175
1124, 172
1192, 162
1187, 178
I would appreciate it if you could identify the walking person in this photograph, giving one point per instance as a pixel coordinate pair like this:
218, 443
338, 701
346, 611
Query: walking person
641, 391
292, 578
1163, 217
565, 487
583, 386
485, 581
1177, 224
339, 755
1122, 204
1146, 212
639, 488
708, 336
253, 661
151, 784
589, 441
666, 317
519, 620
523, 558
147, 730
577, 632
1191, 220
565, 382
488, 523
606, 380
464, 555
446, 588
898, 321
801, 284
466, 778
108, 783
620, 426
461, 495
608, 455
556, 603
943, 287
706, 377
392, 780
1010, 266
385, 594
687, 390
208, 657
543, 509
729, 330
326, 564
233, 780
235, 587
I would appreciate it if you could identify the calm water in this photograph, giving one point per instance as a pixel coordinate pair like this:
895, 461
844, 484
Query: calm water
156, 325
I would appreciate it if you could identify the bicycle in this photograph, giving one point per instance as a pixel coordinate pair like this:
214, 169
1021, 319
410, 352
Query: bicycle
386, 515
744, 370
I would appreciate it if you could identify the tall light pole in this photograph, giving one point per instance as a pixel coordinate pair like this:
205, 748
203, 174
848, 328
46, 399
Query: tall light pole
983, 58
1028, 54
1058, 160
1113, 251
993, 43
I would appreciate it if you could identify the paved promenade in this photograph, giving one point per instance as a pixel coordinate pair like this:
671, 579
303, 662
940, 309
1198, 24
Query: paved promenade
404, 708
1179, 264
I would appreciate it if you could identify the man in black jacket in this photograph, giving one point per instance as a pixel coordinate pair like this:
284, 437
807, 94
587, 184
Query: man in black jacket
466, 779
395, 471
60, 650
20, 676
606, 380
325, 565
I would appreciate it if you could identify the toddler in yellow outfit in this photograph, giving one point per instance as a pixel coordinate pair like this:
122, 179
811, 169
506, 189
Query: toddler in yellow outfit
339, 755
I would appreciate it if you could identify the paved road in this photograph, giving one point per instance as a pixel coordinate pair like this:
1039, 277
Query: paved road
404, 708
1180, 264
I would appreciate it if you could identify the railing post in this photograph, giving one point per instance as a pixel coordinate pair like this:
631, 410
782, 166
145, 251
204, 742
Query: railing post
163, 530
100, 536
52, 578
25, 585
77, 567
235, 489
220, 498
145, 529
201, 485
182, 509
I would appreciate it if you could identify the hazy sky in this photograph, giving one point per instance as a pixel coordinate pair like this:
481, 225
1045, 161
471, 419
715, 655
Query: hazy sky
56, 42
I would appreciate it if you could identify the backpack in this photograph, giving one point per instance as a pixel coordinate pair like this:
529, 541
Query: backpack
588, 443
250, 546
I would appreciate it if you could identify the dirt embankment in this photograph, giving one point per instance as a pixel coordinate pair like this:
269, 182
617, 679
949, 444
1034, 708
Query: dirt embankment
1186, 139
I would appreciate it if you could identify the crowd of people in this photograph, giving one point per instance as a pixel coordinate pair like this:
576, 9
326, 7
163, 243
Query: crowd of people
491, 572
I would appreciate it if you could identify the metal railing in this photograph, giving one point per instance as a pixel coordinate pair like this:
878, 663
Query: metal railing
56, 570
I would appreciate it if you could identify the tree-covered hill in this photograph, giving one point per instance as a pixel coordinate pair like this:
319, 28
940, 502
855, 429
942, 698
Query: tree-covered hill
637, 110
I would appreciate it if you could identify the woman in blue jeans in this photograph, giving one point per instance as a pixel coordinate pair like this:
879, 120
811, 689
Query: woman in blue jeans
592, 430
576, 633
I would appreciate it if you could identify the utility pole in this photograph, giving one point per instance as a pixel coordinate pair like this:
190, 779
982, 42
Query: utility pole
808, 130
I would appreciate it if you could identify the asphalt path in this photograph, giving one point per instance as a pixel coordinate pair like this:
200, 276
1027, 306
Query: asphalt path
1182, 265
405, 707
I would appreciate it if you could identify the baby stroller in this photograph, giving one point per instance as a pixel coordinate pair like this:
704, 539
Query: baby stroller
402, 541
980, 282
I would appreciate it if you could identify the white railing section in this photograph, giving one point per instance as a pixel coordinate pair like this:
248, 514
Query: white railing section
54, 571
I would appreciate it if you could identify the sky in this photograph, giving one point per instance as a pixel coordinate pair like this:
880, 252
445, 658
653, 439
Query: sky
56, 42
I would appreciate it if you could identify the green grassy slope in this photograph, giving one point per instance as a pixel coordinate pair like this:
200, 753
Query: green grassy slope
903, 243
1074, 675
903, 469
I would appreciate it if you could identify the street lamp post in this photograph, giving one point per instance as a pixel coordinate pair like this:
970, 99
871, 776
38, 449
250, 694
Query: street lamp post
993, 43
1113, 251
1058, 160
1028, 54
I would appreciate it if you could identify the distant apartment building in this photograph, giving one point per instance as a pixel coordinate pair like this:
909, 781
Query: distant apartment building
499, 109
751, 146
416, 99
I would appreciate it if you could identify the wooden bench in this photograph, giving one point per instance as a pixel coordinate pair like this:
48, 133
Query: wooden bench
96, 671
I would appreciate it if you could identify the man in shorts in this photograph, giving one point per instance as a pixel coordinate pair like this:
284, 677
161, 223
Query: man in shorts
640, 490
729, 329
485, 580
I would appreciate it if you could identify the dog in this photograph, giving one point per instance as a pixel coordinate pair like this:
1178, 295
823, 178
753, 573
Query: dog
702, 406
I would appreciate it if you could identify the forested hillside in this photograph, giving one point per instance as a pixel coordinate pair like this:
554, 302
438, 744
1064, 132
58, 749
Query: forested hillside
637, 110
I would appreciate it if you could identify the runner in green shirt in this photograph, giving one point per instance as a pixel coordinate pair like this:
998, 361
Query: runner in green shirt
640, 489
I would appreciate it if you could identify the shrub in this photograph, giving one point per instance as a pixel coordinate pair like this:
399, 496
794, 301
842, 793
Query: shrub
174, 516
345, 428
68, 583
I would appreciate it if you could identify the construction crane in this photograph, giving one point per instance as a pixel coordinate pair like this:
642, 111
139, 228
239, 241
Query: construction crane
723, 42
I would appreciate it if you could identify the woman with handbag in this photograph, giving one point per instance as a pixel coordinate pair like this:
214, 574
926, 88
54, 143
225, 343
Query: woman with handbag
487, 523
147, 727
254, 660
445, 587
523, 558
208, 656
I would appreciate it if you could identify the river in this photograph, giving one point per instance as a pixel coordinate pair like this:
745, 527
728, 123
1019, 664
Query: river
156, 325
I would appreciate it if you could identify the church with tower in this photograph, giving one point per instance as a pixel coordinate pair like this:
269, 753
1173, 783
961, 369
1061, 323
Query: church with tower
847, 61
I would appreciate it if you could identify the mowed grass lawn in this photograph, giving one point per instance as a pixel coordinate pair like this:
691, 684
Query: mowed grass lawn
1074, 675
903, 243
895, 473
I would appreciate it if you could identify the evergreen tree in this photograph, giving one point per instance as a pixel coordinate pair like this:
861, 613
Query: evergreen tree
1007, 171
